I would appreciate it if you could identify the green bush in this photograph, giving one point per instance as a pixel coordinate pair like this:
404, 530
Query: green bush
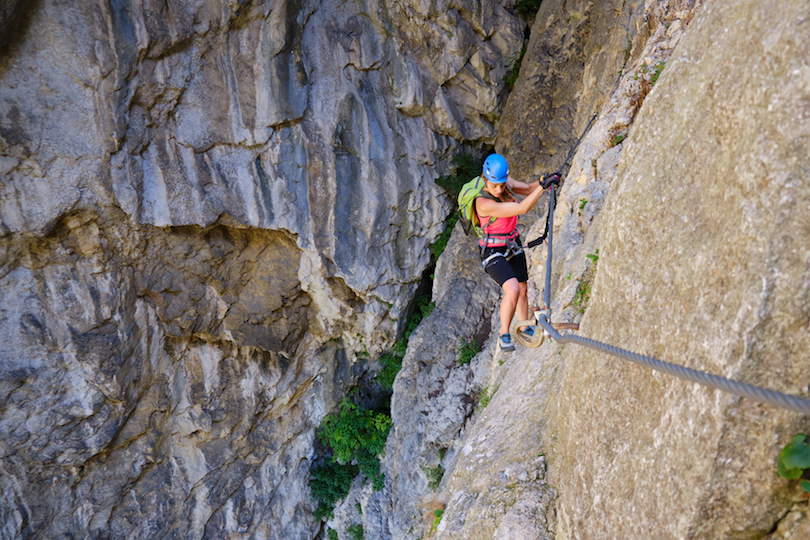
355, 531
434, 475
391, 363
331, 534
330, 483
392, 360
424, 307
528, 8
354, 429
400, 347
358, 434
370, 467
466, 351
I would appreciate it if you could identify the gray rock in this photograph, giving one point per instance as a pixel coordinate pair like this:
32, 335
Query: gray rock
571, 65
712, 284
688, 461
707, 278
206, 212
433, 394
10, 13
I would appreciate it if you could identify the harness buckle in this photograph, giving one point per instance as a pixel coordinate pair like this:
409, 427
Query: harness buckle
489, 259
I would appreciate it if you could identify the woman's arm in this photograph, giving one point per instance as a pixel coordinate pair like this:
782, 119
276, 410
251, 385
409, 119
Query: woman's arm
490, 208
522, 188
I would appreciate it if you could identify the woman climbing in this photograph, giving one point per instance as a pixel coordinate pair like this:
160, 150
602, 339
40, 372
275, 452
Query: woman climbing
501, 250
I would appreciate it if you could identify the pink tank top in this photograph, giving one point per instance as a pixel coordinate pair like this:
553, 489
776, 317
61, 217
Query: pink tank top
502, 227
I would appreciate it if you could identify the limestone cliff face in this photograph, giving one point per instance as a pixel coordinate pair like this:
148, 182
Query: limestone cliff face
206, 209
680, 233
495, 457
703, 262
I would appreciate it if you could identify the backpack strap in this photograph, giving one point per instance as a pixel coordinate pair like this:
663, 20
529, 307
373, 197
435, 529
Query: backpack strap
487, 195
486, 236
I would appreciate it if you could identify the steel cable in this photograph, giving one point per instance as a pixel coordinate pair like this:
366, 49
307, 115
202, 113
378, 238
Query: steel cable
757, 393
552, 199
763, 395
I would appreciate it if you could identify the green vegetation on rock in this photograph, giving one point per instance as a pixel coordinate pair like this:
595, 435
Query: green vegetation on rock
618, 139
657, 69
357, 438
355, 532
355, 433
486, 396
511, 77
329, 483
467, 350
466, 168
794, 459
437, 517
391, 362
439, 245
528, 8
434, 475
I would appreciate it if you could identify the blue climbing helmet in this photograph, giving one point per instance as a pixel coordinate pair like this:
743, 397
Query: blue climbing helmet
496, 169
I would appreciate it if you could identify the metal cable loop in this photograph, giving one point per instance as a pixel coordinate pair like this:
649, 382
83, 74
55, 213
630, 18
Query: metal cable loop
763, 395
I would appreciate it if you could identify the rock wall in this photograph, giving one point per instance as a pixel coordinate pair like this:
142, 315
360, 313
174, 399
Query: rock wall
495, 457
573, 63
206, 210
679, 233
704, 263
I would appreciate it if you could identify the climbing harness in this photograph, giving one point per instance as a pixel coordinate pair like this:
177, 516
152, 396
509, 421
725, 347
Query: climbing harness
512, 248
496, 233
542, 317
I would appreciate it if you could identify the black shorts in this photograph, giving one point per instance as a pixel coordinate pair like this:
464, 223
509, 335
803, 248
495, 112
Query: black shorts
502, 270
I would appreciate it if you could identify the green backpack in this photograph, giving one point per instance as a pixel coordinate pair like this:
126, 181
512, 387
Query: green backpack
466, 210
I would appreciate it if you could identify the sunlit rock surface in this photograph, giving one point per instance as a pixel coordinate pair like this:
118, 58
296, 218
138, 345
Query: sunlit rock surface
206, 209
679, 233
209, 209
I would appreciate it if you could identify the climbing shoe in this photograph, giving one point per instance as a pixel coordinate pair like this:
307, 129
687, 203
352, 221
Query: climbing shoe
505, 343
528, 332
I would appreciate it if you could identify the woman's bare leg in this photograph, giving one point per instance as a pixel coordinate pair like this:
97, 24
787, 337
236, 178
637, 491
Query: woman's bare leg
523, 303
511, 296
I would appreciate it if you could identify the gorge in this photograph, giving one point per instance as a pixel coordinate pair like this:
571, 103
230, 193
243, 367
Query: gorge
216, 215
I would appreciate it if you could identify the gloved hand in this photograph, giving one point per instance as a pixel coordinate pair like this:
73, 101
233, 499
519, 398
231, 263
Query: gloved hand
548, 179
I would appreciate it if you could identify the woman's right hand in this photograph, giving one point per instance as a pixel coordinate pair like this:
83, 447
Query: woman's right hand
550, 178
